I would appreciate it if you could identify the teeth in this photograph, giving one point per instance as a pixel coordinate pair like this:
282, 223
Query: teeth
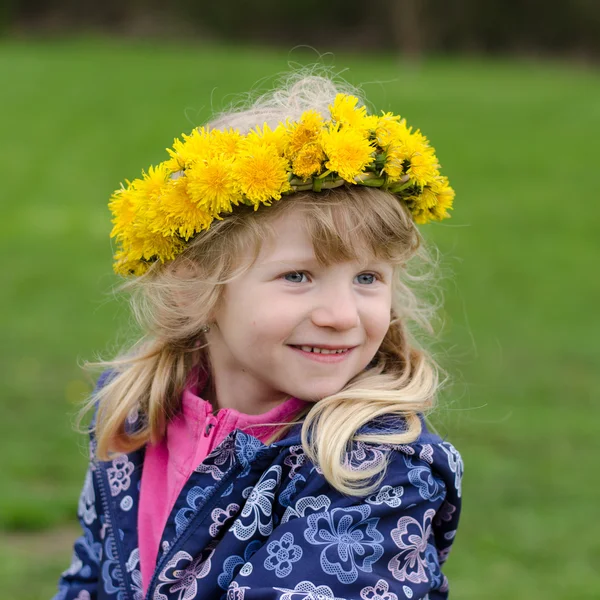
323, 350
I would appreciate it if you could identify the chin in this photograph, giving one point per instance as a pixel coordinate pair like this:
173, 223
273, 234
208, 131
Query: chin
318, 392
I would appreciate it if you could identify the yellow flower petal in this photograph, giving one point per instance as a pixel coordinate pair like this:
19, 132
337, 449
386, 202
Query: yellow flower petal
261, 172
306, 131
344, 111
308, 161
225, 142
433, 202
211, 185
348, 152
193, 147
123, 205
278, 137
184, 215
423, 167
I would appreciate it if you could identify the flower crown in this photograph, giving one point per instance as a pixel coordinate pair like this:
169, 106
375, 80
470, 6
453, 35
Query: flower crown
211, 171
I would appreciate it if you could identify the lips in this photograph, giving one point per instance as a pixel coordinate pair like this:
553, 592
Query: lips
323, 353
324, 348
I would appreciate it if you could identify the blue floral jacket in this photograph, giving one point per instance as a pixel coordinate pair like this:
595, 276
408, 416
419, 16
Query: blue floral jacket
256, 522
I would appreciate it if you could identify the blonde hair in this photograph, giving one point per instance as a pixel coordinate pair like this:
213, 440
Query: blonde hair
173, 301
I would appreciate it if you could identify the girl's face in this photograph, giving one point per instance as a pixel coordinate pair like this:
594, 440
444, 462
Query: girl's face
277, 316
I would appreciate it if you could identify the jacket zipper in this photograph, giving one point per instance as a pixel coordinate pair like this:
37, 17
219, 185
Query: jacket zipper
191, 526
109, 523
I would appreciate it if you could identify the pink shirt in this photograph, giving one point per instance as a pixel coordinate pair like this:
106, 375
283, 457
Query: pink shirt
191, 436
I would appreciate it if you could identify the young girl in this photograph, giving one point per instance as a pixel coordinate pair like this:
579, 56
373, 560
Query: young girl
265, 439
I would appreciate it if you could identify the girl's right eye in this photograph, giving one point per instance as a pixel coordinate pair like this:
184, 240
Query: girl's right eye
295, 277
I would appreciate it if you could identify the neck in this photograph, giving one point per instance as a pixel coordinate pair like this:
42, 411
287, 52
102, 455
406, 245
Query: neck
234, 389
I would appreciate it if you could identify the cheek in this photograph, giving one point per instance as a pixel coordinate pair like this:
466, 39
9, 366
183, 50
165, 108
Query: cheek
275, 318
379, 322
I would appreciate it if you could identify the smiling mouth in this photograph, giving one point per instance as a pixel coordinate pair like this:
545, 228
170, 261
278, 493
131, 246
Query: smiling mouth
320, 350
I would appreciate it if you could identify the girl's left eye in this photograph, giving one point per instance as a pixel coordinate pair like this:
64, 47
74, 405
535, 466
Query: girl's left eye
366, 278
295, 277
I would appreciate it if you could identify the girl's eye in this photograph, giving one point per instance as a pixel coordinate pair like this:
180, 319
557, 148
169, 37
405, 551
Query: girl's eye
366, 278
295, 277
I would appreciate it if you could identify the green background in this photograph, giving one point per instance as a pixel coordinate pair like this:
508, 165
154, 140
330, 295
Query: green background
519, 141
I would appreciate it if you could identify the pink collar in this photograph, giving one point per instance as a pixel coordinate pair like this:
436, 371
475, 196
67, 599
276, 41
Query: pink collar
196, 409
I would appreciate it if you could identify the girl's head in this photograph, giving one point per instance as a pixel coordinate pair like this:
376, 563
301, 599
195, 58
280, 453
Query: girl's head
316, 270
252, 297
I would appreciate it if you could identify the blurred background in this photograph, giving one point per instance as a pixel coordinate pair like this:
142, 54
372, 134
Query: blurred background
508, 92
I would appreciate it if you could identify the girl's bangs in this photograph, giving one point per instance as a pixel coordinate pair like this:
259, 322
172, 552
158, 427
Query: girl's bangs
359, 225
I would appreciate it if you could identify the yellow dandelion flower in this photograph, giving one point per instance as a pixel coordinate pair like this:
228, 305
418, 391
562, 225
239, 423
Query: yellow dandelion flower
445, 198
391, 130
225, 142
433, 202
306, 131
406, 152
423, 167
344, 111
125, 266
278, 137
143, 243
153, 182
211, 185
124, 206
348, 152
261, 172
156, 246
181, 213
308, 161
193, 147
394, 162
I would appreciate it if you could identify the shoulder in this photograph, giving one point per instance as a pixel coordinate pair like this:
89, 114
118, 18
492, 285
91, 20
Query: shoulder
430, 469
429, 449
135, 421
429, 452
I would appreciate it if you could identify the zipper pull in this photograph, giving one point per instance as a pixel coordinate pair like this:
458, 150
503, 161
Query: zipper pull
207, 429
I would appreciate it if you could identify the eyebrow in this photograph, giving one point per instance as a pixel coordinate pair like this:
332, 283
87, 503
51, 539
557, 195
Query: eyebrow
303, 261
292, 259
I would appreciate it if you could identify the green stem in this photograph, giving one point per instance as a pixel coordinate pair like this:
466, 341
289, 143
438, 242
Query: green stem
398, 188
333, 184
369, 179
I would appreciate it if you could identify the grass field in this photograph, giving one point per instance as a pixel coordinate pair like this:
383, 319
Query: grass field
520, 142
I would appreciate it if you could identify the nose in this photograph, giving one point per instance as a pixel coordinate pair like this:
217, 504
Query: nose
336, 308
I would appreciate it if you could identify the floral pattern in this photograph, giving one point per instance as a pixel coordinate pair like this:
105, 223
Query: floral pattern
267, 524
455, 464
380, 591
181, 580
306, 506
306, 590
119, 475
364, 456
412, 539
132, 566
391, 496
221, 518
283, 553
351, 539
236, 592
86, 509
257, 512
196, 497
218, 462
111, 570
296, 459
231, 564
421, 476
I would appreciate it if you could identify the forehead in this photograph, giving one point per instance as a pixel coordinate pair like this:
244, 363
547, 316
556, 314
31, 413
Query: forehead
292, 236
